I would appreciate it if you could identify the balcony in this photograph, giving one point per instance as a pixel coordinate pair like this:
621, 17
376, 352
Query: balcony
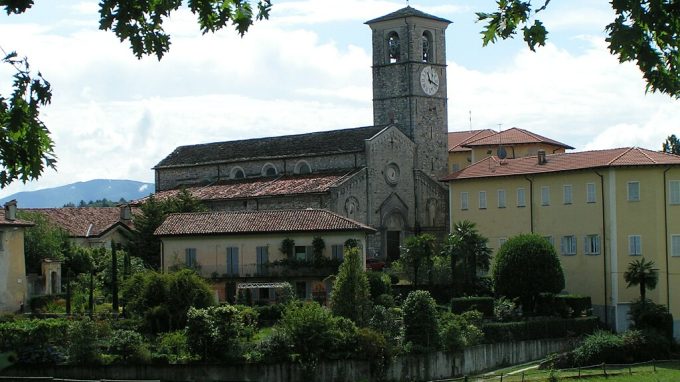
269, 270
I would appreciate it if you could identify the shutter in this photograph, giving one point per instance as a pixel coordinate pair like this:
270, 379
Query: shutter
585, 245
563, 245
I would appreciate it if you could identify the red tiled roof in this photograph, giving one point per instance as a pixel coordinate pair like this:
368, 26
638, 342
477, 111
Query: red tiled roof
626, 156
82, 221
15, 223
458, 138
264, 186
513, 136
244, 222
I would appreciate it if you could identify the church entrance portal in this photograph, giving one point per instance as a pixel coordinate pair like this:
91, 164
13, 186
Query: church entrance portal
392, 244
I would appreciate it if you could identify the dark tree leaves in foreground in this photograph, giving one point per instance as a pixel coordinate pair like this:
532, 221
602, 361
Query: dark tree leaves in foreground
644, 32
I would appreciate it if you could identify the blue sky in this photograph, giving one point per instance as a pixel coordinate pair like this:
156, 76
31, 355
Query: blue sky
308, 69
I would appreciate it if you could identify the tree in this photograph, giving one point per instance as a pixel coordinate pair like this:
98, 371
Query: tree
416, 253
351, 294
26, 147
468, 253
421, 328
642, 273
645, 32
672, 145
42, 241
144, 243
526, 266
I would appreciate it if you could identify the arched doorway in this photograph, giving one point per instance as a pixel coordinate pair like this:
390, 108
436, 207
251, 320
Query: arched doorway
394, 229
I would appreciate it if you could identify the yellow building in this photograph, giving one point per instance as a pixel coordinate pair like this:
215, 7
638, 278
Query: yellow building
240, 249
467, 147
600, 209
12, 264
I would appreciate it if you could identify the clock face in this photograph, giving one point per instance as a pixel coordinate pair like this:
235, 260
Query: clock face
429, 80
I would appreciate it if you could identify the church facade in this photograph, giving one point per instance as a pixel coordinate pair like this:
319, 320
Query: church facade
385, 176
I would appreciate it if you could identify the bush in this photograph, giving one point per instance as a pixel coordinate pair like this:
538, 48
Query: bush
351, 294
628, 347
505, 310
579, 305
39, 304
537, 329
129, 347
268, 314
387, 321
460, 331
379, 284
646, 315
532, 257
173, 348
86, 339
373, 347
35, 341
480, 304
421, 329
218, 332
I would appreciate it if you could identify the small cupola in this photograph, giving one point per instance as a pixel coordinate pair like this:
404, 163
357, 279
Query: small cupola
125, 212
541, 157
11, 210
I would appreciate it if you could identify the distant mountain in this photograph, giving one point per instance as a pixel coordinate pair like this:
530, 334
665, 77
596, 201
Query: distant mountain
87, 191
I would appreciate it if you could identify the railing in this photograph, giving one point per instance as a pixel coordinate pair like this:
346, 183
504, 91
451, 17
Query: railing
267, 270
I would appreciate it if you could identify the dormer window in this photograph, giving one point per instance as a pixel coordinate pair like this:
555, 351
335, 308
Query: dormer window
427, 46
393, 48
302, 167
237, 173
269, 170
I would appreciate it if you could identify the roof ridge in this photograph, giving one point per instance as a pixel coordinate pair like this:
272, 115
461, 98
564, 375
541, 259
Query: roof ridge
644, 152
625, 151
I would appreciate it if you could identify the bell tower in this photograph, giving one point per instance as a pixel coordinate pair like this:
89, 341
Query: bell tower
409, 82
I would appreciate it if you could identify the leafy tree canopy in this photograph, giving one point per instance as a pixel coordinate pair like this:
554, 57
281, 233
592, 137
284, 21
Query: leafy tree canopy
351, 293
468, 253
644, 32
43, 241
672, 145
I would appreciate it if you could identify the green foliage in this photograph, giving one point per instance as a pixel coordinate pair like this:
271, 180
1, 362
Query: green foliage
129, 347
85, 342
646, 315
163, 300
218, 332
80, 260
628, 347
287, 248
373, 347
269, 314
416, 255
39, 304
98, 203
505, 310
34, 341
421, 329
468, 255
388, 322
379, 284
26, 147
285, 294
671, 145
550, 327
578, 305
643, 32
481, 304
319, 245
351, 295
525, 266
460, 331
42, 241
173, 348
641, 273
144, 243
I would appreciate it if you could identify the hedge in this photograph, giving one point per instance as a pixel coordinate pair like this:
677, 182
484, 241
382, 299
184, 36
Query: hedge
34, 341
38, 303
538, 329
441, 293
464, 304
564, 305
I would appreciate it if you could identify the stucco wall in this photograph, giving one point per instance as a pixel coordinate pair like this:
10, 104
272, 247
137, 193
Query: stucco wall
12, 269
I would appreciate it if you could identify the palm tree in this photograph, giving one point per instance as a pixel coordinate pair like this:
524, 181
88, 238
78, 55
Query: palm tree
468, 252
641, 272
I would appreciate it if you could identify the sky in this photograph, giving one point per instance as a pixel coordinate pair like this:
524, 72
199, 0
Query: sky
308, 68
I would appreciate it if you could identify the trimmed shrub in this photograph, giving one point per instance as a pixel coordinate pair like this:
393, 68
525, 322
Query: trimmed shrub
480, 304
421, 329
379, 284
173, 348
39, 303
650, 316
460, 331
628, 347
35, 341
579, 305
538, 329
505, 310
373, 347
129, 347
268, 314
85, 338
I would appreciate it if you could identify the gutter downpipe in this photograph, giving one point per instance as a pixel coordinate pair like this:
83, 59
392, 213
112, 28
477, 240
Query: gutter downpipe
665, 232
604, 250
531, 203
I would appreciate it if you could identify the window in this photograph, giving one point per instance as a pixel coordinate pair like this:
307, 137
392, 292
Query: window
427, 46
232, 261
545, 196
634, 245
591, 245
590, 192
303, 253
269, 170
262, 260
482, 200
675, 191
337, 251
393, 48
675, 245
237, 173
502, 241
568, 245
501, 198
302, 167
567, 197
463, 200
633, 191
521, 198
190, 257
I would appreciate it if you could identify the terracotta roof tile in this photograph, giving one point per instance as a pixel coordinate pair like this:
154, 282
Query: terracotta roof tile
627, 156
459, 138
244, 222
262, 186
317, 143
82, 221
513, 136
15, 223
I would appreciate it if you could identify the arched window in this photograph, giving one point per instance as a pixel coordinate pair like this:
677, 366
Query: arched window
237, 173
302, 167
427, 46
269, 170
393, 48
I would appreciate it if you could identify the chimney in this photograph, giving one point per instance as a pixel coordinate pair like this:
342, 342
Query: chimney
541, 157
11, 210
125, 212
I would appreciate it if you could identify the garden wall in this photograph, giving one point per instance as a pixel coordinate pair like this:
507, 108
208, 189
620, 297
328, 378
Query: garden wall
437, 365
